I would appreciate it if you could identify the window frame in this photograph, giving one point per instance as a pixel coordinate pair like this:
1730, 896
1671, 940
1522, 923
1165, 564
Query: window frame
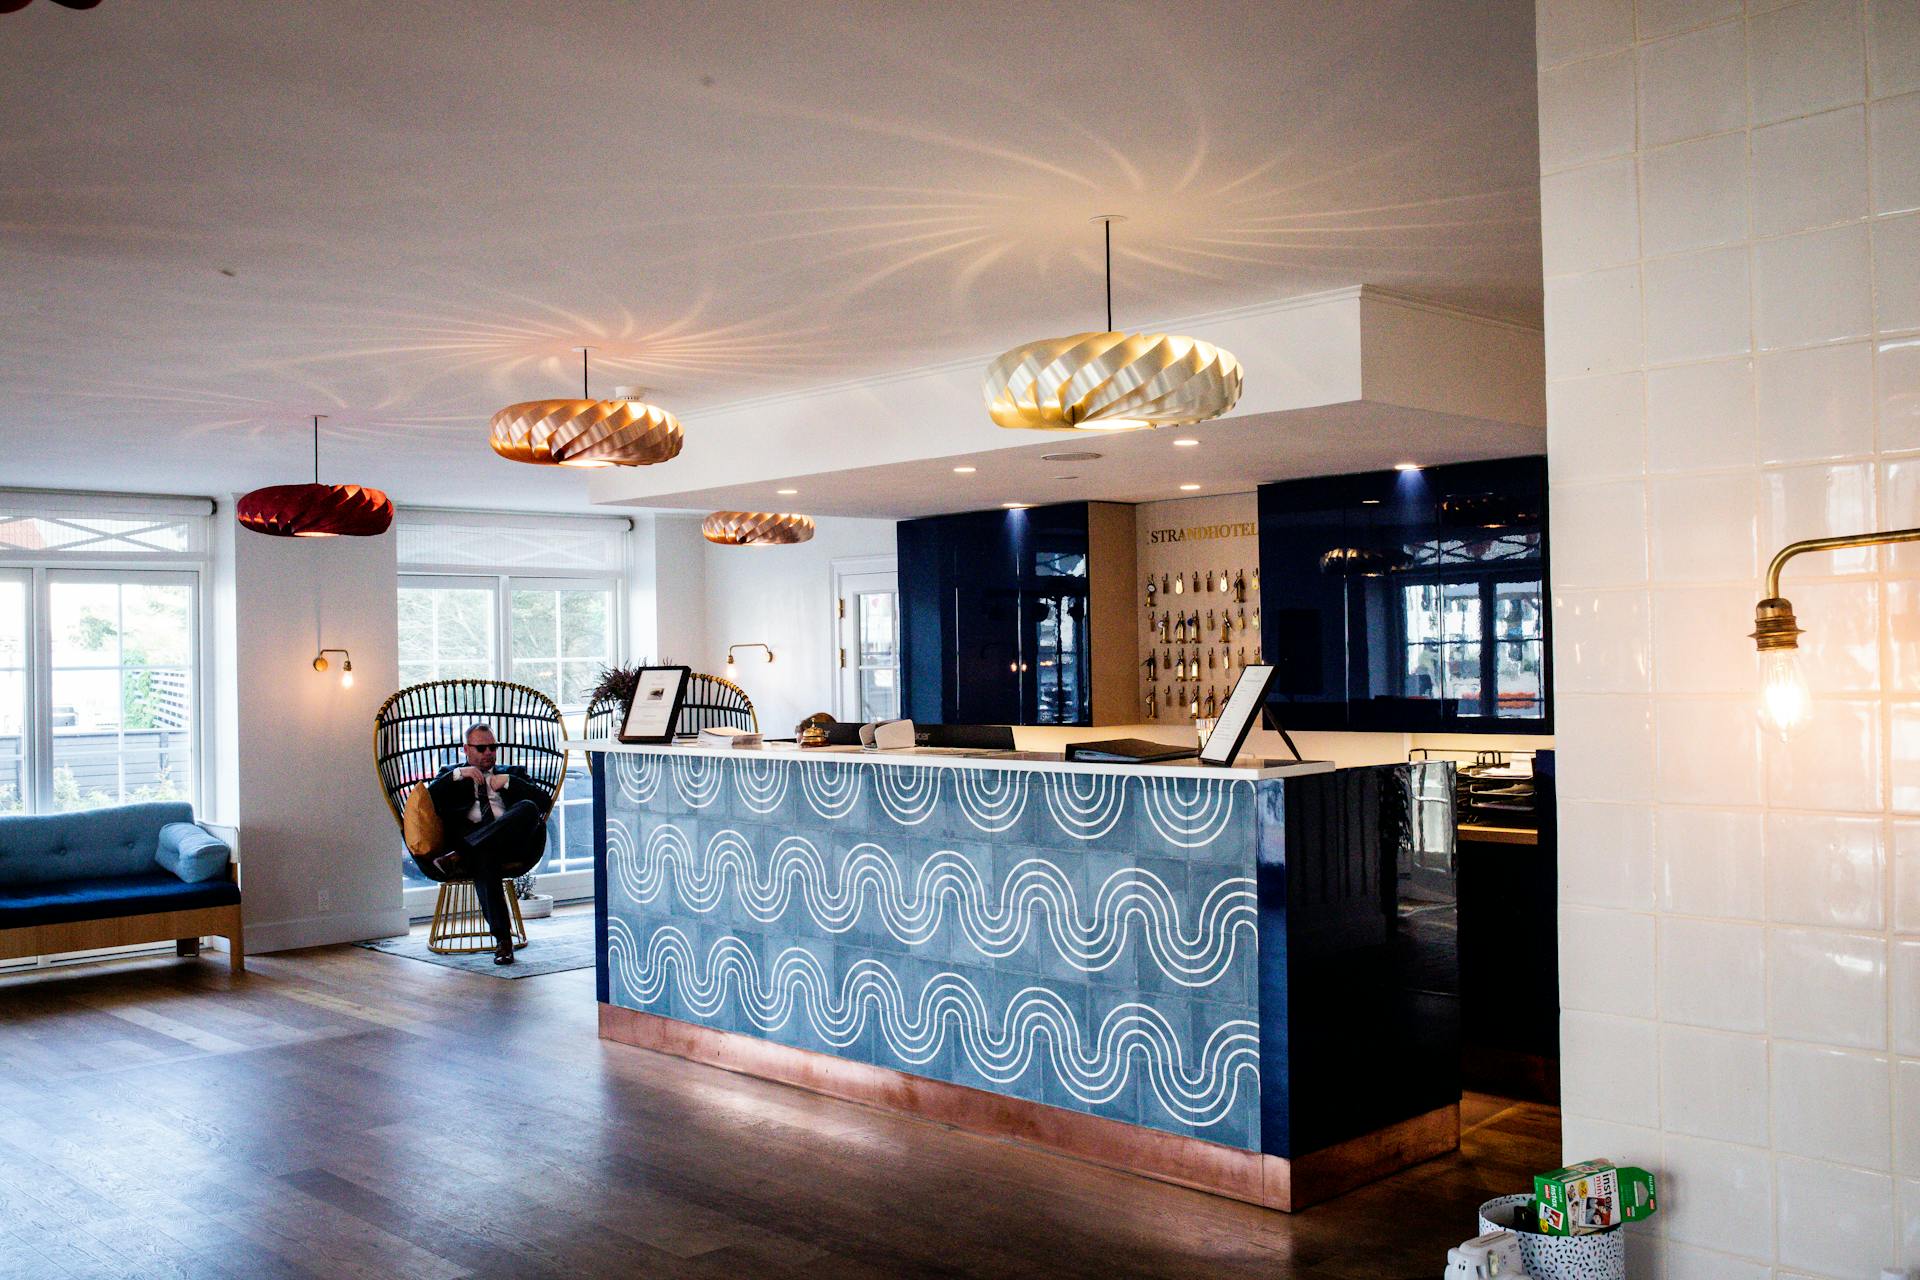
563, 885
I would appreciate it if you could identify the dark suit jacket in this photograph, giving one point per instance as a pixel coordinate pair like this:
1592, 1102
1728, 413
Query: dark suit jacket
453, 797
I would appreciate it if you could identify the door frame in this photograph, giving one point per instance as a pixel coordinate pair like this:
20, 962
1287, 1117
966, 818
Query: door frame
846, 689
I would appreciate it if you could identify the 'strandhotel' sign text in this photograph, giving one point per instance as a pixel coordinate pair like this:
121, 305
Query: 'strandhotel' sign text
1205, 532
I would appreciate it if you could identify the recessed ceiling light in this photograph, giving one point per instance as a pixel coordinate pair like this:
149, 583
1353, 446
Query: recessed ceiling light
1189, 486
786, 493
1369, 502
1185, 443
964, 471
1016, 506
1406, 466
1066, 477
1069, 457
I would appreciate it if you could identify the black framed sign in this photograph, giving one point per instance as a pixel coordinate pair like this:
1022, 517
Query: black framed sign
1236, 718
656, 704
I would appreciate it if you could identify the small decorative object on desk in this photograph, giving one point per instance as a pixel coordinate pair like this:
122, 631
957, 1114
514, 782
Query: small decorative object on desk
812, 732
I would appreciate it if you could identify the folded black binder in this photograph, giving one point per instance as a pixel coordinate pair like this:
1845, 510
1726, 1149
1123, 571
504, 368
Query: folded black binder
1127, 751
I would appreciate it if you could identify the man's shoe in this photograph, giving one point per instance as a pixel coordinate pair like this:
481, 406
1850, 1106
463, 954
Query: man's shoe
503, 954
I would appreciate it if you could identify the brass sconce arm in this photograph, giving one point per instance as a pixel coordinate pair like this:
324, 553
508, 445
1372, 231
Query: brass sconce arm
752, 645
1774, 626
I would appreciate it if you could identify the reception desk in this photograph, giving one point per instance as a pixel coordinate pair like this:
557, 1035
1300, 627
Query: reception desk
1202, 975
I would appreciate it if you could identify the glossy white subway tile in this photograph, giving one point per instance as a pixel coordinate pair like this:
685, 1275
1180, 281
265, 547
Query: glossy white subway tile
1598, 533
1826, 870
1610, 1067
1693, 84
1596, 428
1900, 508
1906, 877
1827, 987
1810, 172
1894, 128
1697, 305
1707, 751
1629, 1144
1907, 1209
1704, 528
1893, 46
1709, 862
1590, 216
1586, 111
1593, 323
1806, 57
1813, 287
1695, 650
1832, 1104
1713, 973
1815, 403
1905, 976
1903, 756
1818, 502
1906, 1116
1602, 642
1833, 760
1604, 745
1700, 416
1608, 963
1720, 1195
1616, 866
1692, 1263
1832, 1219
1694, 195
1566, 30
1656, 18
1896, 273
1896, 372
1713, 1084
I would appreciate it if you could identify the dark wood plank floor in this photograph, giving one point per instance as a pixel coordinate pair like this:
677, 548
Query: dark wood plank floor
337, 1112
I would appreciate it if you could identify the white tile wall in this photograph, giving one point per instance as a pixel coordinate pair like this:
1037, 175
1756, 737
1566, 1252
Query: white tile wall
1731, 222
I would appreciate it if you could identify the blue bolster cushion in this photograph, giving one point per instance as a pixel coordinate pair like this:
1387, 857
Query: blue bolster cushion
191, 852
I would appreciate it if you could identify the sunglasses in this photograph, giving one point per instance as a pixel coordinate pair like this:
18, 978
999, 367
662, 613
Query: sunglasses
483, 746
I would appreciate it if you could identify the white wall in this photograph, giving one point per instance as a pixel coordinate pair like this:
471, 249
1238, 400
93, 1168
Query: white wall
320, 852
1733, 351
783, 597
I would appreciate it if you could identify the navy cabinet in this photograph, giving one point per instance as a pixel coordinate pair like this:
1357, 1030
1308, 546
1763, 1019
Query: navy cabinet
995, 617
1409, 600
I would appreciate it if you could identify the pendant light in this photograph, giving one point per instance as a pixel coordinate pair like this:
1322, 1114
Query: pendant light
316, 510
1111, 381
756, 528
621, 432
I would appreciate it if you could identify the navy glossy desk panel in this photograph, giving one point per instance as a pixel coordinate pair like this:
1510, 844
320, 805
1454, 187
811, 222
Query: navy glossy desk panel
1113, 943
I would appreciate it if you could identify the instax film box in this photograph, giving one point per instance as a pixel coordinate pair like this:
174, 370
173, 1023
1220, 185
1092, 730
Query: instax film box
1592, 1196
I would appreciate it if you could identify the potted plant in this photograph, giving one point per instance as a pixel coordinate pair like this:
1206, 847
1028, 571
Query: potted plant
533, 905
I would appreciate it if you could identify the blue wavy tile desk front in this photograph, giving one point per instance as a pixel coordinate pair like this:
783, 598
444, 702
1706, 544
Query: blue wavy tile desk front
1086, 939
1067, 938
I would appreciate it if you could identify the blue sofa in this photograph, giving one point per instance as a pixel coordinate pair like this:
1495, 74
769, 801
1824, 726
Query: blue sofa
115, 877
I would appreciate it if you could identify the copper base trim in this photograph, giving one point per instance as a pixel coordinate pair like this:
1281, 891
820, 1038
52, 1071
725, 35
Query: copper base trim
1188, 1162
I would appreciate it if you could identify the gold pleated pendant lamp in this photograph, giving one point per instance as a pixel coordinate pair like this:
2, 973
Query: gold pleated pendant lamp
1111, 381
622, 432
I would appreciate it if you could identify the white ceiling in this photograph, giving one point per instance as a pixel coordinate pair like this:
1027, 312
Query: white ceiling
424, 205
1233, 455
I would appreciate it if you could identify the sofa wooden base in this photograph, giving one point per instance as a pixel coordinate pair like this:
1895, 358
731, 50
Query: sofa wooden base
127, 931
1259, 1179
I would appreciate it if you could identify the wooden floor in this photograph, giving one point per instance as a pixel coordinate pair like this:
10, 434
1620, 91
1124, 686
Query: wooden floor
338, 1112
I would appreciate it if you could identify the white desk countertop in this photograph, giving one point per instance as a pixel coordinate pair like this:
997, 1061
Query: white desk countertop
1247, 768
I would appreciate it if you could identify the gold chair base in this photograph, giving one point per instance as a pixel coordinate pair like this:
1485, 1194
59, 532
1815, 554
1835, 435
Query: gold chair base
460, 927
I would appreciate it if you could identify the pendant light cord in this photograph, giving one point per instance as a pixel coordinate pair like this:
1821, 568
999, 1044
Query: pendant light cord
316, 446
1107, 229
583, 375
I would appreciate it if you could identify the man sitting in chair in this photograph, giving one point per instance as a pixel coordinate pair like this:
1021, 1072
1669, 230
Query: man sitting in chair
492, 817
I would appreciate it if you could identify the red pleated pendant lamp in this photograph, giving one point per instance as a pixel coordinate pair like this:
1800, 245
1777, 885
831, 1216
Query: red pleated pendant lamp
316, 510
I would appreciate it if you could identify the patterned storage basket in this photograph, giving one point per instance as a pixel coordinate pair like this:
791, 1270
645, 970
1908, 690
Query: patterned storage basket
1599, 1256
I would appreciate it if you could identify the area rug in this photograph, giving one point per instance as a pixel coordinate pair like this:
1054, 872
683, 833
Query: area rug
554, 945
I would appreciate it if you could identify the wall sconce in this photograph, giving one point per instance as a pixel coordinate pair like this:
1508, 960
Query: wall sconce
1784, 700
346, 665
754, 645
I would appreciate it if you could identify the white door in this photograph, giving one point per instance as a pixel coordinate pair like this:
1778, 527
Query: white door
867, 639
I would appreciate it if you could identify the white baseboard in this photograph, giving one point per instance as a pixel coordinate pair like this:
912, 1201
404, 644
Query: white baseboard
320, 931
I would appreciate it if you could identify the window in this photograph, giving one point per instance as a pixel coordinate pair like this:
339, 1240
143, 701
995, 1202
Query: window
536, 602
868, 638
13, 691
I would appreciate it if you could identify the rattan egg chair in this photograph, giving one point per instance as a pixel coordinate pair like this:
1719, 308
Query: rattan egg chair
710, 703
421, 730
